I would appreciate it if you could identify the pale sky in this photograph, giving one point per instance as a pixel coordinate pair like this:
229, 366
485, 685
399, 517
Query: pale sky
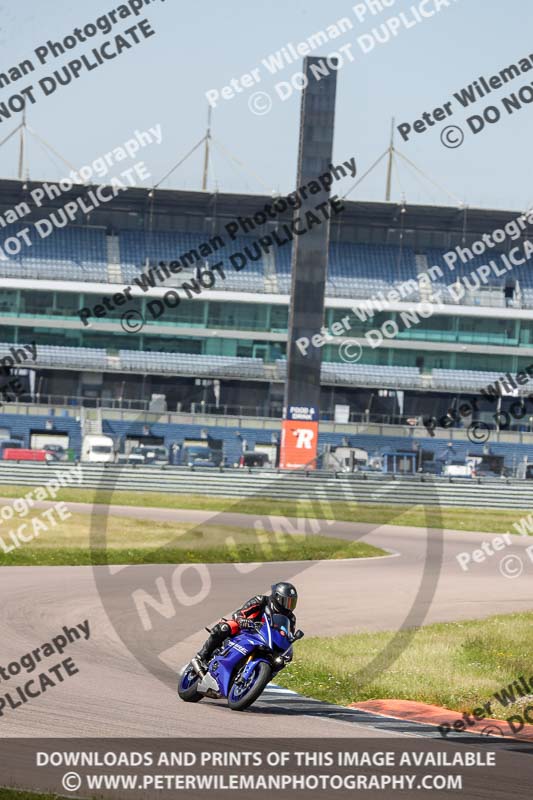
203, 45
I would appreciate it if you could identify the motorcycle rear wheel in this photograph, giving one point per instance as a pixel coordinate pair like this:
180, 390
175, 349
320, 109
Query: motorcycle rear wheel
238, 701
187, 683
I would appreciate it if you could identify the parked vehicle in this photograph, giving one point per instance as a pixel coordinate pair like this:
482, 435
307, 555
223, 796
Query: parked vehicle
24, 454
148, 455
97, 448
458, 469
253, 458
157, 455
198, 456
483, 471
431, 468
241, 668
56, 452
346, 459
136, 456
9, 444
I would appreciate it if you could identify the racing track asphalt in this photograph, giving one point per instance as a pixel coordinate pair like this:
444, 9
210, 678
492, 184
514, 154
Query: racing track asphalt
114, 695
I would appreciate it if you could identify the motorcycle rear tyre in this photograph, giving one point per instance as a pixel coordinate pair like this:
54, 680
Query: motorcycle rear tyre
190, 695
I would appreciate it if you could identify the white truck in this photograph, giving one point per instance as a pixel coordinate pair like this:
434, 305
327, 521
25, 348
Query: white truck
459, 469
97, 449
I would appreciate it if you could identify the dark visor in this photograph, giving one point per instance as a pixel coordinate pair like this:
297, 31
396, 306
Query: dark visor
288, 602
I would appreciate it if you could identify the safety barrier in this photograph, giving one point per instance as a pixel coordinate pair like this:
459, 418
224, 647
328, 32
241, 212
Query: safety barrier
284, 486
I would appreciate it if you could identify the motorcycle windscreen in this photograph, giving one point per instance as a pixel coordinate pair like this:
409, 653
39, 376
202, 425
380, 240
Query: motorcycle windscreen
280, 631
281, 622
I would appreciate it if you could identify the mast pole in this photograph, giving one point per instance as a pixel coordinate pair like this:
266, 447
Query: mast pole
21, 148
206, 151
389, 166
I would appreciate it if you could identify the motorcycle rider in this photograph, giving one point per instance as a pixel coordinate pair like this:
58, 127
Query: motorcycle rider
281, 600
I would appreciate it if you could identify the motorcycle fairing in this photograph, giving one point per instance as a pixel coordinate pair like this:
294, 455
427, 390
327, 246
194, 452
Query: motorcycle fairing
236, 650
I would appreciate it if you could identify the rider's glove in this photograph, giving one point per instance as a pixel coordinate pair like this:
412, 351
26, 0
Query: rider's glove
247, 624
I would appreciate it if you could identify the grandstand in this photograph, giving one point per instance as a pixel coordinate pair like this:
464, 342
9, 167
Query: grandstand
76, 252
223, 351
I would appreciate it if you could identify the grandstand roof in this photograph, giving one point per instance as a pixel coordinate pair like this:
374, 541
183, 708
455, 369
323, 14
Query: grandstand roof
168, 208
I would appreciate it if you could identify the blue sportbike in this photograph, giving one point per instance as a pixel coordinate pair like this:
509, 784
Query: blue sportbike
241, 668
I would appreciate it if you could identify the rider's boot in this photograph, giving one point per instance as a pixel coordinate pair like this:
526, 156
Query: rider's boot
201, 660
217, 635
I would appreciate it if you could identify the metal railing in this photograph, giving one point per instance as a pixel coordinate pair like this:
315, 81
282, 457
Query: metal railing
243, 417
264, 411
75, 401
381, 489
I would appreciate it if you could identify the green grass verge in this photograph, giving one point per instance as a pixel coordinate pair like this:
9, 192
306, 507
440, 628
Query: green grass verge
487, 520
82, 540
458, 665
293, 551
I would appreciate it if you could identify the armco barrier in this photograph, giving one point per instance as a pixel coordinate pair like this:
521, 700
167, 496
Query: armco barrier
286, 486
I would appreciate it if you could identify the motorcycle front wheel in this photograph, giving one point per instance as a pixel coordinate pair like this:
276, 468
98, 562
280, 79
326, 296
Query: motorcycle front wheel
243, 693
187, 683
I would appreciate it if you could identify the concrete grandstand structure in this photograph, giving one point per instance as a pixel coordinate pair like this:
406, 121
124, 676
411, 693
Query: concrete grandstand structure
222, 351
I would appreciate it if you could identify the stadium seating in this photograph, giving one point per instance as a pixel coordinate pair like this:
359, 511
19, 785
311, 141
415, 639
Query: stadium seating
80, 253
358, 270
143, 361
361, 270
354, 271
192, 364
463, 378
197, 365
72, 253
211, 365
361, 374
468, 380
55, 356
521, 277
248, 368
137, 249
370, 375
